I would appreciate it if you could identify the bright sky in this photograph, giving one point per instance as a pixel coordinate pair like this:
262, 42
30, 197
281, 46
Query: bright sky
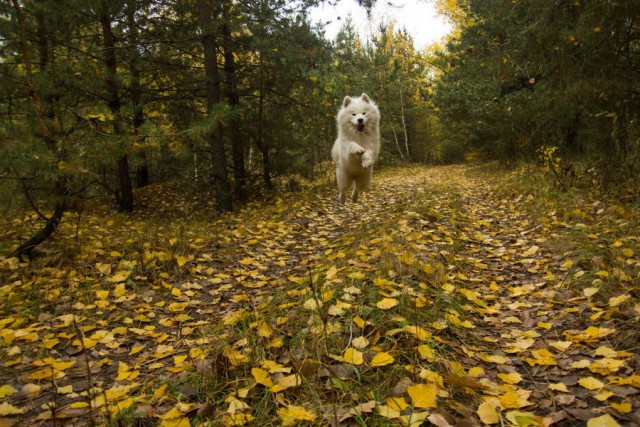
419, 17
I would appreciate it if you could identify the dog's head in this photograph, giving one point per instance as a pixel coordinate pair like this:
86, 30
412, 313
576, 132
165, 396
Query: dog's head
359, 113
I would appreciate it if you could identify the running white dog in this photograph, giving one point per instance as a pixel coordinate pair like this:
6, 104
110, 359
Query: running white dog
358, 144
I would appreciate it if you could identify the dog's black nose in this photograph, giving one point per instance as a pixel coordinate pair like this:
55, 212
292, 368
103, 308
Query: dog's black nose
360, 120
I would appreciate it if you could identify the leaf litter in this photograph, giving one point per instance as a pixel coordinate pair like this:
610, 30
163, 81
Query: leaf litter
440, 298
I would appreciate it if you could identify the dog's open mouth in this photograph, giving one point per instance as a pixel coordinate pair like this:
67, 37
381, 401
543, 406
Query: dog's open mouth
360, 127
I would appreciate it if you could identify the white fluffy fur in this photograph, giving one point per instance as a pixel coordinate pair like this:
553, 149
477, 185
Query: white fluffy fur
358, 144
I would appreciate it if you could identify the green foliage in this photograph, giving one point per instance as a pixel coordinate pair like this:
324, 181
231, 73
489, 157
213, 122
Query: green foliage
531, 73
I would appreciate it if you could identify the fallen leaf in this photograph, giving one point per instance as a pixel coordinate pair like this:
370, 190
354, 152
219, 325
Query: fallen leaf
292, 414
605, 420
386, 303
591, 383
488, 413
353, 356
7, 390
382, 359
8, 409
423, 395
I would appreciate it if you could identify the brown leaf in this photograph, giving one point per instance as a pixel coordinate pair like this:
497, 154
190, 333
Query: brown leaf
401, 387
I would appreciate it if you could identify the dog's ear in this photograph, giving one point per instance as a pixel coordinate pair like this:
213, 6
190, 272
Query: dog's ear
365, 97
346, 101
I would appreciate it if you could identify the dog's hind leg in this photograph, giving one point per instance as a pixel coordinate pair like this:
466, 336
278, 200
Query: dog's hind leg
362, 183
344, 183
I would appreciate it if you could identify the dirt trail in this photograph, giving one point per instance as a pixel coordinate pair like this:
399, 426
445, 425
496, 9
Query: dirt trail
434, 269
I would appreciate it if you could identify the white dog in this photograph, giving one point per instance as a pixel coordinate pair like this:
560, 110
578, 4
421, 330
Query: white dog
358, 144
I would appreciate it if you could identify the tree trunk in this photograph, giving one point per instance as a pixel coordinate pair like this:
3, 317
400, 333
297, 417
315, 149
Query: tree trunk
220, 176
404, 124
233, 99
125, 193
135, 89
45, 232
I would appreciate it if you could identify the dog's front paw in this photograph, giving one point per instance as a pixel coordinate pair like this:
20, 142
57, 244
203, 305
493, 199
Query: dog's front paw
356, 149
367, 159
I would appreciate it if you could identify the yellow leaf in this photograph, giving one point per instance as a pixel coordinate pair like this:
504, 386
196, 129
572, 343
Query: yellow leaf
616, 301
476, 371
359, 321
423, 395
544, 325
197, 353
8, 409
161, 391
179, 421
397, 403
388, 412
426, 352
286, 382
262, 377
274, 367
428, 268
181, 260
331, 273
386, 303
491, 358
531, 251
627, 252
382, 359
597, 332
417, 331
264, 330
236, 405
415, 419
235, 357
589, 292
512, 400
237, 419
176, 292
581, 364
120, 276
102, 295
448, 288
524, 419
558, 387
488, 413
542, 357
177, 307
179, 360
408, 258
511, 378
353, 356
119, 290
591, 383
311, 304
292, 414
605, 420
137, 348
7, 390
79, 405
561, 345
623, 407
103, 268
46, 373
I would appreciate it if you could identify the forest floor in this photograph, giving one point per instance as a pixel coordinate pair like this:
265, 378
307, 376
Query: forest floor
448, 296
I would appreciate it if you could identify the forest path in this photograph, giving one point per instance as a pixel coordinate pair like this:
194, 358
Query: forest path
435, 297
